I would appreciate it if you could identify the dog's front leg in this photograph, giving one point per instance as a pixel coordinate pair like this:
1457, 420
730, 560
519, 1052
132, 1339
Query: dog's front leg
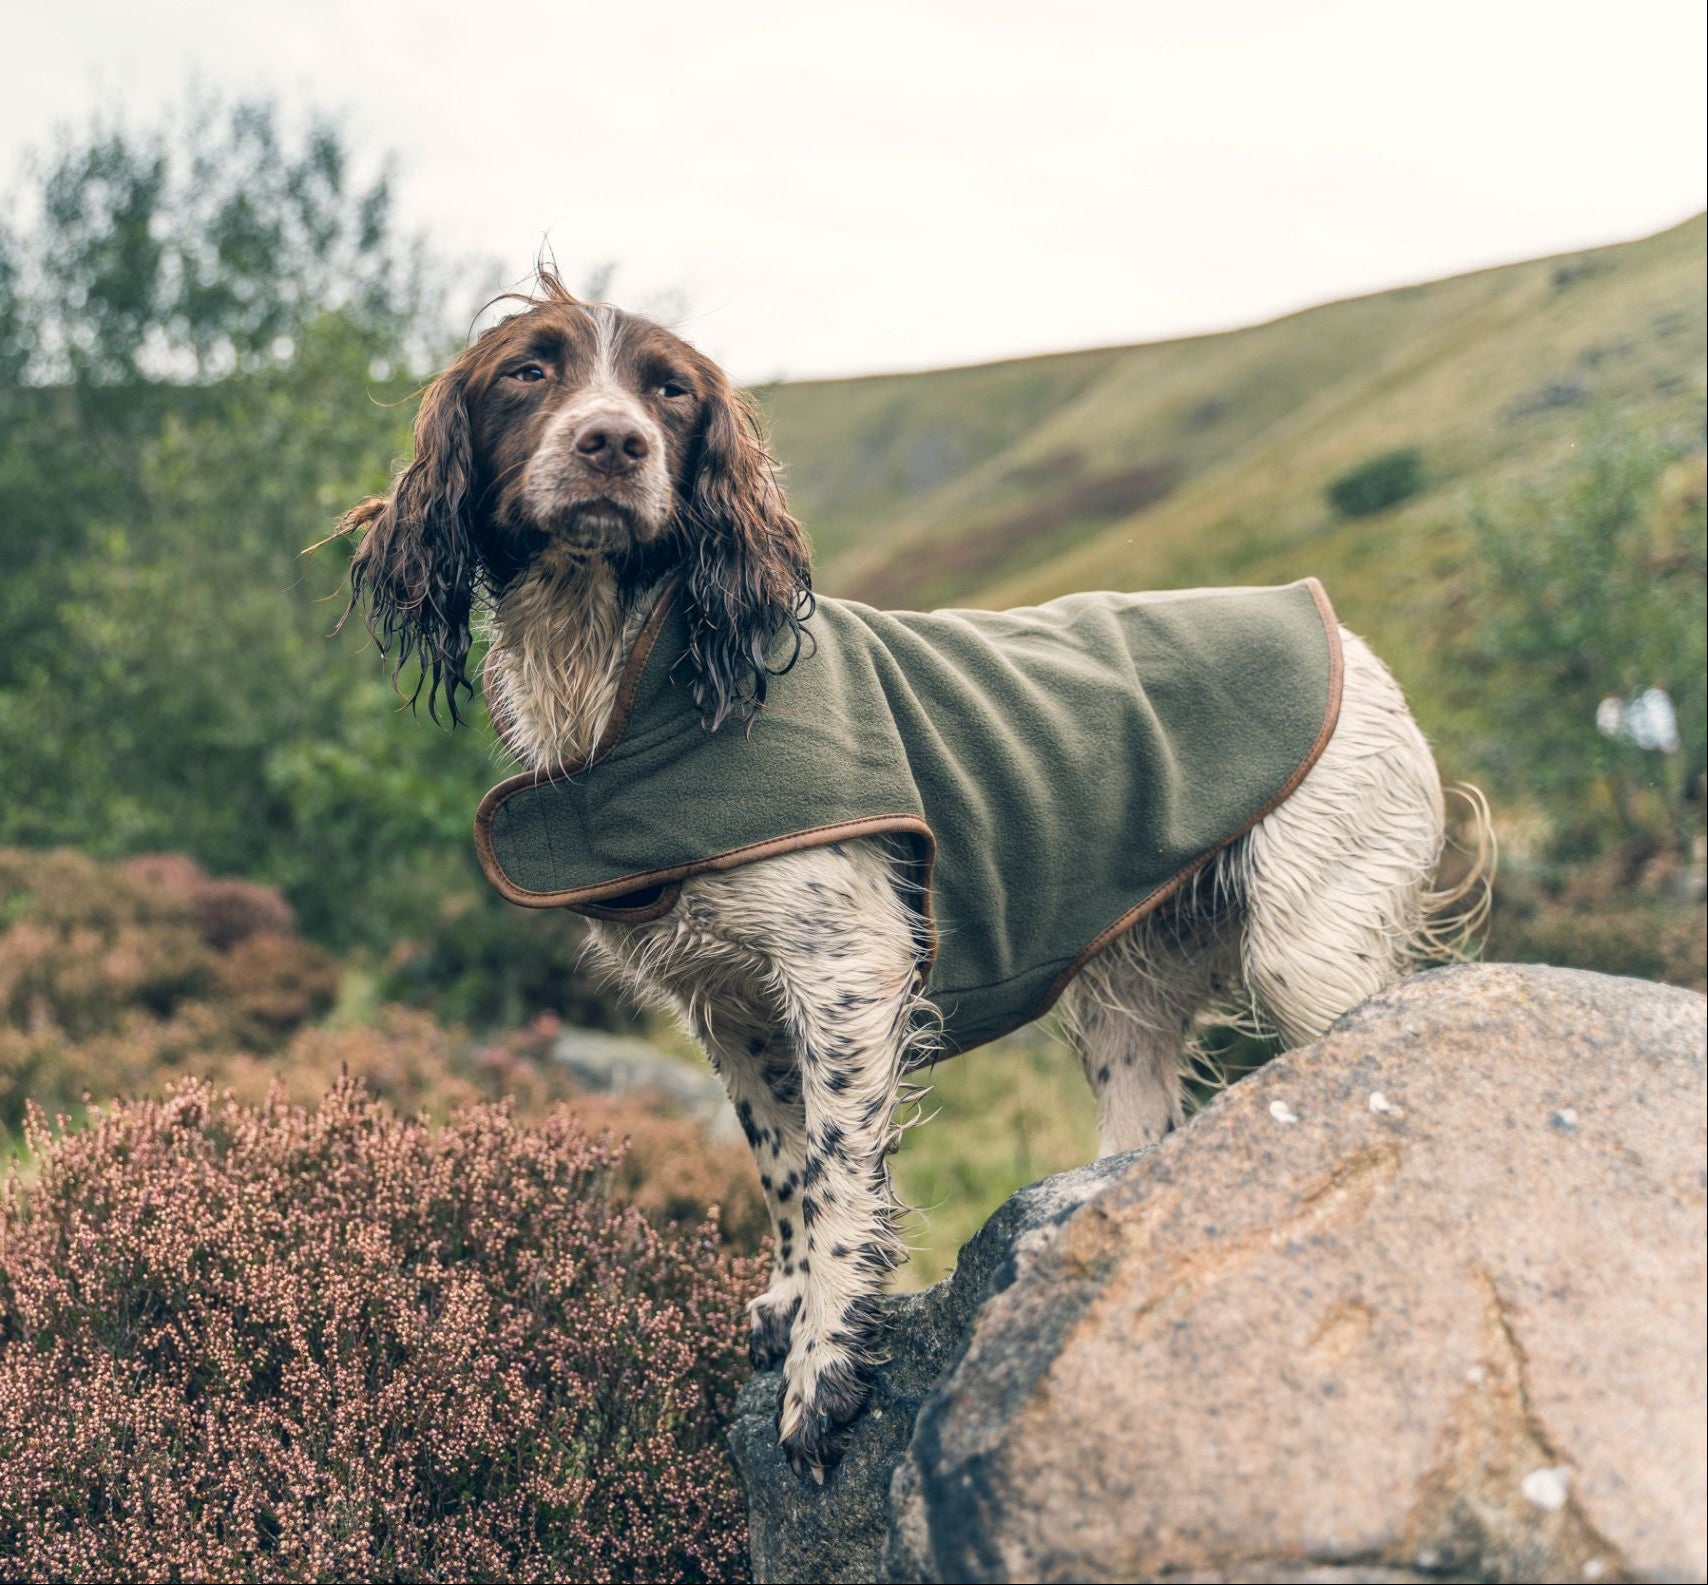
852, 1026
761, 1071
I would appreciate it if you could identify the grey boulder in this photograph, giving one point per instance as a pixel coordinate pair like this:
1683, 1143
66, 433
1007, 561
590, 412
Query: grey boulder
1424, 1300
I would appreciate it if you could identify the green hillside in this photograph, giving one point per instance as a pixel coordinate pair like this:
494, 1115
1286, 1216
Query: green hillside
1205, 460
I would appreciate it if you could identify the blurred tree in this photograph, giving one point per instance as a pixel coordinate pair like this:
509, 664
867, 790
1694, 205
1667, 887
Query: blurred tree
202, 249
194, 331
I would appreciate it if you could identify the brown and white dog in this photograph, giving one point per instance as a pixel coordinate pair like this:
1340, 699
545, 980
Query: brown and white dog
572, 462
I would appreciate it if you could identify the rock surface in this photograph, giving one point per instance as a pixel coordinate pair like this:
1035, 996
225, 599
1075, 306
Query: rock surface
624, 1065
1424, 1300
837, 1532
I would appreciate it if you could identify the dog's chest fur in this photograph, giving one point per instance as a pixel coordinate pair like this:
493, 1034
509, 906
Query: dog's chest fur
559, 638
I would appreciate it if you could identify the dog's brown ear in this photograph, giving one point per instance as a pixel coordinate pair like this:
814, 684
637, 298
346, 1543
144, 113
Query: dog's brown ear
749, 572
416, 562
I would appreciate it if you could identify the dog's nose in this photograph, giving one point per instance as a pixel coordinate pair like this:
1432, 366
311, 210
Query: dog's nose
611, 443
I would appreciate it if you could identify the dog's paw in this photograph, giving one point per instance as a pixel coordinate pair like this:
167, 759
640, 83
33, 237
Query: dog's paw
770, 1322
812, 1425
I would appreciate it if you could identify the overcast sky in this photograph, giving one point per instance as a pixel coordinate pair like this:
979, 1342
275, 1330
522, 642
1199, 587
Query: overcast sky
879, 185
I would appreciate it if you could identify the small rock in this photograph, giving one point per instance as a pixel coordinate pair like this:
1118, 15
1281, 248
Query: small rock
1282, 1112
1548, 1488
1379, 1103
1566, 1120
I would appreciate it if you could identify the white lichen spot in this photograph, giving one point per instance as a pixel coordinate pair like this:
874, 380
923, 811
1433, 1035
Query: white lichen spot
1476, 1375
1566, 1120
1379, 1103
1594, 1568
1282, 1112
1548, 1488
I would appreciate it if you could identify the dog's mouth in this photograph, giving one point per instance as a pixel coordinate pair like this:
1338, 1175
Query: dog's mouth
599, 524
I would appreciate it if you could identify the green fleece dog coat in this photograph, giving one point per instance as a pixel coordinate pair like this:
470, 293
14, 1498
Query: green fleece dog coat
1055, 771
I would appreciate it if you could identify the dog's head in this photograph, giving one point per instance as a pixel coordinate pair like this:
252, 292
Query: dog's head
576, 428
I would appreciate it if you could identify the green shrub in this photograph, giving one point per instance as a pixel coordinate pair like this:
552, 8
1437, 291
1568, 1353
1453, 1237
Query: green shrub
1597, 587
278, 1343
1375, 485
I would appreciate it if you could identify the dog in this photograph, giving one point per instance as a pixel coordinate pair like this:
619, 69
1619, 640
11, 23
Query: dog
577, 468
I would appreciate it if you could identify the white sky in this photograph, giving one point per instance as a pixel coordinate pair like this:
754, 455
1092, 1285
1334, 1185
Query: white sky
850, 187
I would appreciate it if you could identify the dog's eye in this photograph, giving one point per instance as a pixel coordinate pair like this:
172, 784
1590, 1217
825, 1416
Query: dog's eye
671, 389
528, 374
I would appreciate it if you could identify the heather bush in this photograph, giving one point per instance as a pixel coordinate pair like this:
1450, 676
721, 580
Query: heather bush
116, 979
89, 947
281, 1343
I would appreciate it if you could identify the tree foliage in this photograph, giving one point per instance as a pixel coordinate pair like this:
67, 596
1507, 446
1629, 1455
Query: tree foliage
203, 331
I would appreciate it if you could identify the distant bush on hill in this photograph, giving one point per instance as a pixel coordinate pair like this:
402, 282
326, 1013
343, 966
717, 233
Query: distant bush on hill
280, 1343
1375, 485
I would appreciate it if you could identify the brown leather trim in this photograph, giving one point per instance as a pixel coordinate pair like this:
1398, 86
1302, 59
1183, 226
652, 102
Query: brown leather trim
579, 897
629, 683
1331, 718
639, 913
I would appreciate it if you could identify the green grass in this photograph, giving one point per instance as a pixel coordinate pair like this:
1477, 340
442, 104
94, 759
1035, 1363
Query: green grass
1006, 1115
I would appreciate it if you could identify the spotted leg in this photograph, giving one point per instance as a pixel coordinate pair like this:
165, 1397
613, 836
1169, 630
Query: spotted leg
762, 1075
1130, 1014
852, 1023
798, 975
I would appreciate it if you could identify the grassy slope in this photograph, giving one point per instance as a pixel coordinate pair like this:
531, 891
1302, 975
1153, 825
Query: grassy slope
1205, 461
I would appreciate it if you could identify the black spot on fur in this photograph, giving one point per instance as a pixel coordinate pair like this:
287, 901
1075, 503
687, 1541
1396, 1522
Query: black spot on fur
841, 1391
768, 1335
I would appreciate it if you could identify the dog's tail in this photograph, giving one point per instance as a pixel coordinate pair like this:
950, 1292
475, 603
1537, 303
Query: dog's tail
1453, 916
